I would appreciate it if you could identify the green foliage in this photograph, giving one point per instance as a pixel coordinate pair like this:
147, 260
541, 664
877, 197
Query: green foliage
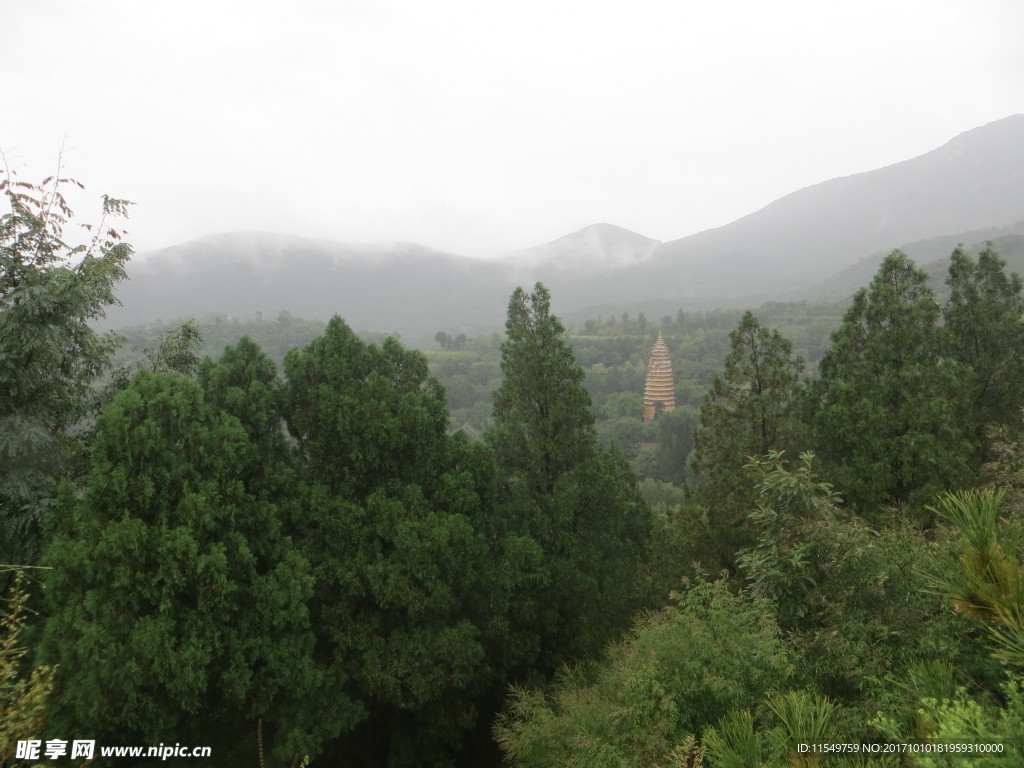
750, 411
777, 567
361, 414
177, 350
676, 673
275, 337
674, 437
988, 585
885, 371
578, 505
661, 495
984, 333
961, 720
450, 343
625, 434
734, 742
50, 292
412, 569
855, 599
624, 405
933, 679
804, 719
542, 427
23, 694
982, 585
176, 604
796, 718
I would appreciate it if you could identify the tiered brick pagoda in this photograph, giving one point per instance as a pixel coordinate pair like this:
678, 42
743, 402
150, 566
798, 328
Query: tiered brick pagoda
660, 387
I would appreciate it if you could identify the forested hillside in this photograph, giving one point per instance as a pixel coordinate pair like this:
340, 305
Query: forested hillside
298, 545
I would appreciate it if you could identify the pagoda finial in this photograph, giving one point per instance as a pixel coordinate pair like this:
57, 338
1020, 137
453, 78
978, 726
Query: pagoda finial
660, 386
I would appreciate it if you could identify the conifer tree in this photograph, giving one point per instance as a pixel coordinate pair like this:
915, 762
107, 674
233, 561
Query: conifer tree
886, 418
580, 506
177, 609
543, 427
395, 523
244, 384
984, 333
751, 410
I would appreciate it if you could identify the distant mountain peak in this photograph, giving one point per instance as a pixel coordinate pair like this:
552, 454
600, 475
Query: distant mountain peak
598, 246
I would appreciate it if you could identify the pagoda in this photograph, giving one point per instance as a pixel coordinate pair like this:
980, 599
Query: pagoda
660, 387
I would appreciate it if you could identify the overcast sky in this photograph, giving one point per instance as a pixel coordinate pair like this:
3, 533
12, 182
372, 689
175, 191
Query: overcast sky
482, 127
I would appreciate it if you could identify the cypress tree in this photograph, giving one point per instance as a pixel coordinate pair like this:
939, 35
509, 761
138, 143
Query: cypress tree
581, 507
178, 612
752, 409
984, 334
887, 419
394, 523
543, 427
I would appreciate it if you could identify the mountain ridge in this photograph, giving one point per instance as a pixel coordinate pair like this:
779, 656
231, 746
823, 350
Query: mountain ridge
974, 182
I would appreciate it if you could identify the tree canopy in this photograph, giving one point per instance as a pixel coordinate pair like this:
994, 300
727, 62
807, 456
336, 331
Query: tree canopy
50, 356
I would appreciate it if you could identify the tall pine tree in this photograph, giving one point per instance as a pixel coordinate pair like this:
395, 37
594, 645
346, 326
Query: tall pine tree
753, 408
984, 333
887, 419
579, 505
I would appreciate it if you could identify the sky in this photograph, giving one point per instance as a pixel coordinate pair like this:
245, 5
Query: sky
481, 127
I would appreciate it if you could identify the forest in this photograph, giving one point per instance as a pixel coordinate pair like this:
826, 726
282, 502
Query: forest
301, 545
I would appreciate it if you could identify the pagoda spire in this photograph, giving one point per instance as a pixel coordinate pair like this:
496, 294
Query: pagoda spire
660, 386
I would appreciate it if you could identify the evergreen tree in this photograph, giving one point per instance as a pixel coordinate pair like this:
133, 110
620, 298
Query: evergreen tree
984, 331
397, 526
543, 428
50, 292
751, 410
673, 433
887, 419
581, 507
178, 608
244, 384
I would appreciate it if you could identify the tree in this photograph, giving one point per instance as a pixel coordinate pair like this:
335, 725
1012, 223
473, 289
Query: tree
752, 409
624, 405
177, 606
177, 350
670, 439
674, 674
887, 419
50, 292
400, 530
543, 427
984, 333
580, 506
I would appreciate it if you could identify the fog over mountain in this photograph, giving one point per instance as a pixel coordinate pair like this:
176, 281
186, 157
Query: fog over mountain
599, 246
969, 190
